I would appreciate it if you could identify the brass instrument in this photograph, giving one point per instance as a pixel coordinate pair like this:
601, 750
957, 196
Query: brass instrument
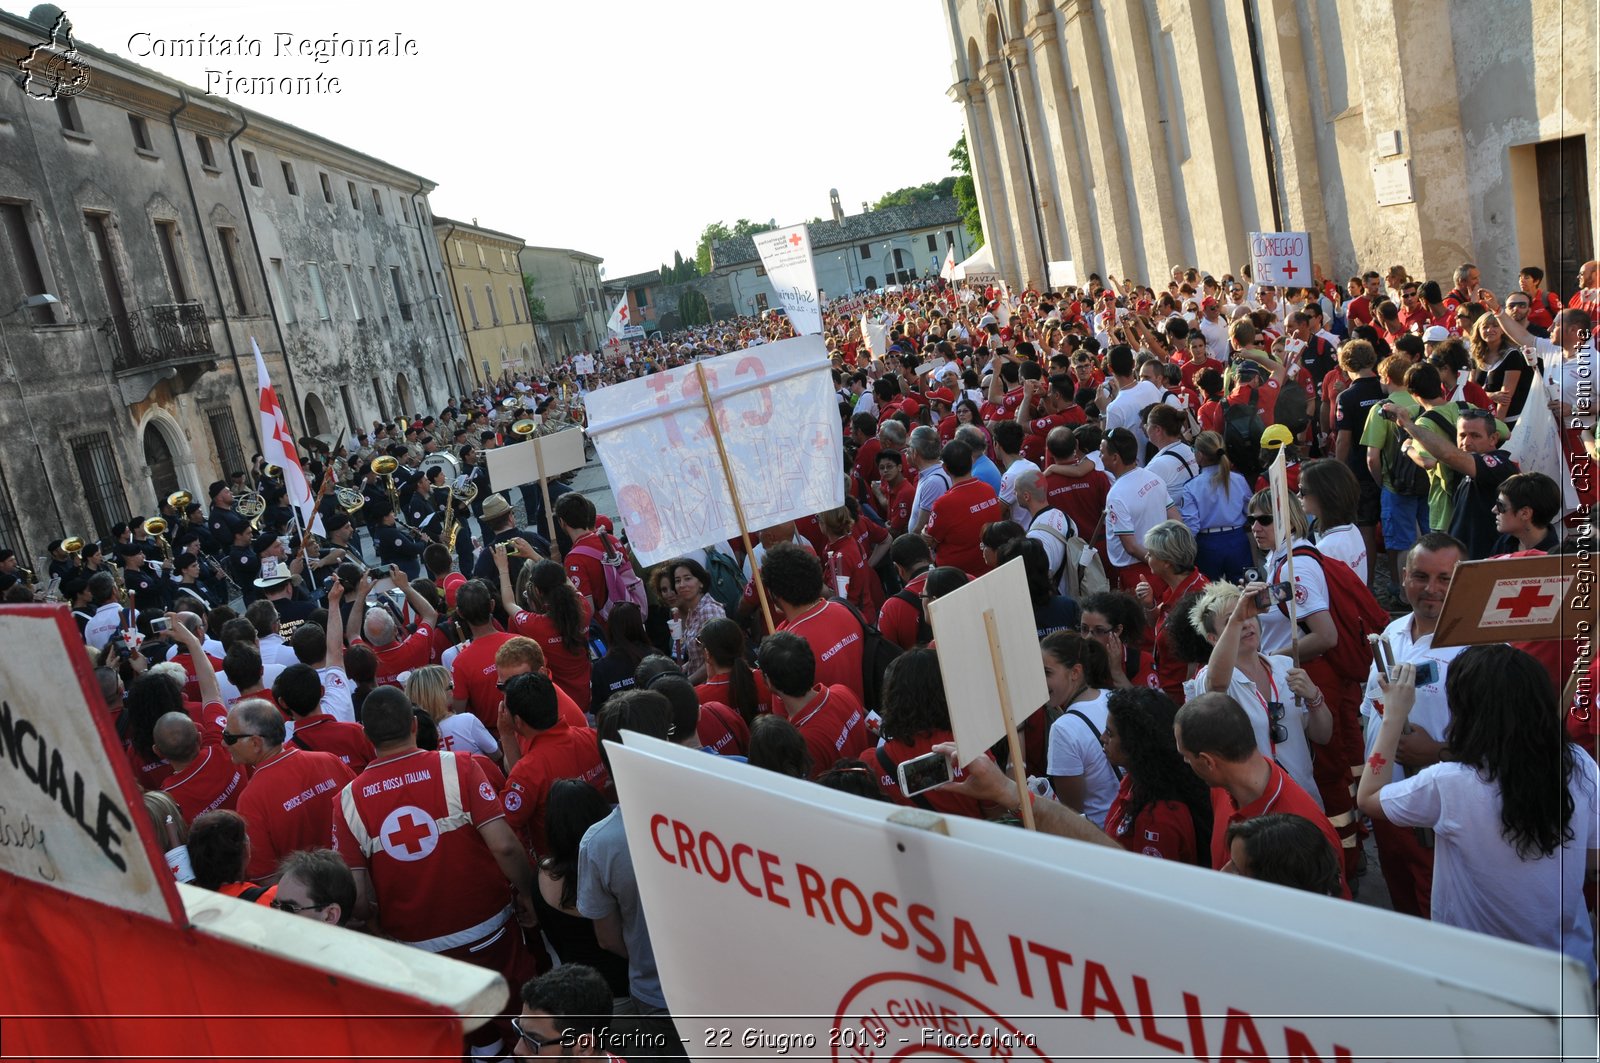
272, 472
350, 500
157, 528
178, 500
250, 505
526, 428
510, 402
73, 545
383, 465
462, 492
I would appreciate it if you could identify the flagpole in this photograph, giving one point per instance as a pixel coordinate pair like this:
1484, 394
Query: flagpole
733, 493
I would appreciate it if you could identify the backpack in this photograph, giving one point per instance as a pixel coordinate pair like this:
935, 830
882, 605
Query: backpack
877, 653
1406, 477
727, 580
1293, 408
622, 582
1241, 436
1356, 614
1085, 572
914, 600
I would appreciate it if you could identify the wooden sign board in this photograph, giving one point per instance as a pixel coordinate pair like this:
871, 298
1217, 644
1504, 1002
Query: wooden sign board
540, 456
1515, 599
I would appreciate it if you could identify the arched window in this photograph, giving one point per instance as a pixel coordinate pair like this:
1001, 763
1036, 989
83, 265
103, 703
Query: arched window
870, 283
158, 458
316, 415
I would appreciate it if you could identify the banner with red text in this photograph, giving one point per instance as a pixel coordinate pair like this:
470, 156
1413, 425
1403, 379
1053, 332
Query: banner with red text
1281, 259
779, 418
786, 256
898, 943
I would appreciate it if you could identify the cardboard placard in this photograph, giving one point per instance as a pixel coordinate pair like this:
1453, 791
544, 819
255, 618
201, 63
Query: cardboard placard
1281, 258
971, 687
1514, 599
520, 463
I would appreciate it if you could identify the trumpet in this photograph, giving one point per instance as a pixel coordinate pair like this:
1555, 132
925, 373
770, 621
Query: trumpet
72, 545
157, 527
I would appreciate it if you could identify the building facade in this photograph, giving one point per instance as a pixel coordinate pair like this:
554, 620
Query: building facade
1134, 135
484, 274
852, 253
149, 234
569, 284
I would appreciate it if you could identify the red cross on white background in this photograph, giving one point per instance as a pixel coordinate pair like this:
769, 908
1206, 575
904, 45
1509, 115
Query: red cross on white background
794, 239
1289, 270
1521, 605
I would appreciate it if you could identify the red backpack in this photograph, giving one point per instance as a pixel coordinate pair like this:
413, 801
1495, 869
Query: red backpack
1356, 614
622, 582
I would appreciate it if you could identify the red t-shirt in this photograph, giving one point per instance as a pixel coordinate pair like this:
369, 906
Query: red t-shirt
1171, 670
834, 725
1210, 416
191, 689
404, 655
473, 676
811, 531
956, 522
900, 499
1282, 794
866, 465
1163, 829
562, 752
567, 667
1040, 427
843, 557
836, 640
213, 781
587, 574
149, 772
289, 804
896, 751
1266, 395
433, 884
1081, 498
898, 620
722, 730
715, 688
347, 741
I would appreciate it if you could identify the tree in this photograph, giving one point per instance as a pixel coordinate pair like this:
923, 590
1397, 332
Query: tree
917, 194
966, 192
693, 309
536, 310
719, 231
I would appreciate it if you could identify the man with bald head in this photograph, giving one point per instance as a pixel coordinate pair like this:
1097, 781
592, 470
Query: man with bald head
398, 652
203, 779
289, 802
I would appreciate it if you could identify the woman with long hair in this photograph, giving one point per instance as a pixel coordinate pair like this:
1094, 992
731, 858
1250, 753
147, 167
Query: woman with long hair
1116, 620
1051, 611
1077, 677
571, 808
663, 600
1213, 506
1501, 368
1513, 809
558, 620
429, 689
626, 645
1162, 809
150, 697
729, 677
916, 717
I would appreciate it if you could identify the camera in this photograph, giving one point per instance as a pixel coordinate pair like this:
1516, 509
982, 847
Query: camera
159, 625
1274, 594
1387, 412
376, 574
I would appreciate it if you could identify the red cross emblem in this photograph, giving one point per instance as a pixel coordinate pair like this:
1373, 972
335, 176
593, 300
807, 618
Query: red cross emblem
1522, 604
408, 834
1289, 270
794, 239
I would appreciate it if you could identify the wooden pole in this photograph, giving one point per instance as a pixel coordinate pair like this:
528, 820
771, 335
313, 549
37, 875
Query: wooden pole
544, 493
1018, 772
733, 493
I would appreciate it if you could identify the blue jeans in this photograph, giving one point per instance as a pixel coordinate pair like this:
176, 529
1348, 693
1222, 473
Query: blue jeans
1223, 555
1405, 519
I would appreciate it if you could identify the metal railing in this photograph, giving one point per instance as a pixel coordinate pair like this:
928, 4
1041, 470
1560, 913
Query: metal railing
161, 333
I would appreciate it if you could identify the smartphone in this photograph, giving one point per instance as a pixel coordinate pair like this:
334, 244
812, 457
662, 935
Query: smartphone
920, 774
159, 625
1274, 594
376, 574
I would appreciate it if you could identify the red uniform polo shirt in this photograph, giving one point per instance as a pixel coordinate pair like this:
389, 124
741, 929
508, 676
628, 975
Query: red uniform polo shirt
899, 619
956, 524
834, 725
722, 730
1171, 669
866, 464
347, 741
473, 676
843, 557
715, 688
561, 752
836, 641
289, 805
568, 668
1163, 829
404, 655
1081, 498
213, 781
1282, 794
1038, 428
895, 751
900, 499
587, 574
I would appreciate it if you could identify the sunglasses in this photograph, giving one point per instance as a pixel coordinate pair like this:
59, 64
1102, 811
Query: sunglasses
292, 908
1097, 632
1474, 414
534, 1039
1502, 506
229, 738
1258, 518
1275, 725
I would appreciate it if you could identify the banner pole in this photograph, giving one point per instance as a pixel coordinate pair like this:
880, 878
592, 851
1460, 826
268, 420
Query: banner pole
1018, 773
544, 493
733, 493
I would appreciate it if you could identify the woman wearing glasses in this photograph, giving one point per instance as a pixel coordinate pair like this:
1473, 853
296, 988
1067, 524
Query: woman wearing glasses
1285, 707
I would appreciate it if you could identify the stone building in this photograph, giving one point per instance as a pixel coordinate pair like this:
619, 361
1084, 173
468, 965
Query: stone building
1132, 135
568, 282
484, 274
149, 233
642, 290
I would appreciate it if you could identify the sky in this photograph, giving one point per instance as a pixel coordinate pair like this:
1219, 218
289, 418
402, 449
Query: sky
619, 127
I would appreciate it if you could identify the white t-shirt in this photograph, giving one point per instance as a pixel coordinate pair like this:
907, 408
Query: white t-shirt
274, 650
1346, 544
1076, 750
270, 670
1310, 597
103, 626
1479, 881
462, 732
932, 483
1430, 711
1216, 337
1571, 380
1124, 410
1055, 549
338, 694
1175, 464
1008, 488
1294, 753
1136, 503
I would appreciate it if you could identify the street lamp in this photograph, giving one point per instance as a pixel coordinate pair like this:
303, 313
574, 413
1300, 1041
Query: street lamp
32, 301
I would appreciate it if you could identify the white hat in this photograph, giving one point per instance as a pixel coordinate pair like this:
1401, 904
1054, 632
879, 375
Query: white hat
273, 574
1435, 334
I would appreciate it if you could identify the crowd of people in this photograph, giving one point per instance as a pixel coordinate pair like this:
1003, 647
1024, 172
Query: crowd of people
398, 726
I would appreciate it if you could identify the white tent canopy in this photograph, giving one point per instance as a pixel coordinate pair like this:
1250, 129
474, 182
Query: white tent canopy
978, 268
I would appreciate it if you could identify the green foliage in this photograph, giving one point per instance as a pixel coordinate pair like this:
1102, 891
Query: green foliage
965, 192
917, 194
693, 308
536, 310
720, 231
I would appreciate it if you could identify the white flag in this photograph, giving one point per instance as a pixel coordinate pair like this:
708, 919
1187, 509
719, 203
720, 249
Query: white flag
876, 335
619, 319
1002, 310
278, 448
948, 272
1536, 443
786, 255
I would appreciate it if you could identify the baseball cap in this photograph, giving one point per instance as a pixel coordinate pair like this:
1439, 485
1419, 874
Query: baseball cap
1435, 334
941, 395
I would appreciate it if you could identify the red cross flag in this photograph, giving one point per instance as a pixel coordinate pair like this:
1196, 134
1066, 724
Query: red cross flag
948, 271
277, 447
619, 317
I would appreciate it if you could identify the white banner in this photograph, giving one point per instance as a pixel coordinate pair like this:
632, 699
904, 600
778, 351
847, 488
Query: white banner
70, 818
779, 417
1062, 274
1536, 443
786, 254
278, 448
1281, 258
894, 949
876, 335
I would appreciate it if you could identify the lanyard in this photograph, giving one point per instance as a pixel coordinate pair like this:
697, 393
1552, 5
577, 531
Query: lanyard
1273, 685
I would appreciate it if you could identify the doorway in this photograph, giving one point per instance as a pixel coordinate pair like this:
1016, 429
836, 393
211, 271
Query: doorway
1564, 211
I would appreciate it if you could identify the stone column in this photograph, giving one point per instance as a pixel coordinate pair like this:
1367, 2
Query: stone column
1148, 161
1071, 190
983, 149
1014, 177
1293, 126
1039, 150
1105, 158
